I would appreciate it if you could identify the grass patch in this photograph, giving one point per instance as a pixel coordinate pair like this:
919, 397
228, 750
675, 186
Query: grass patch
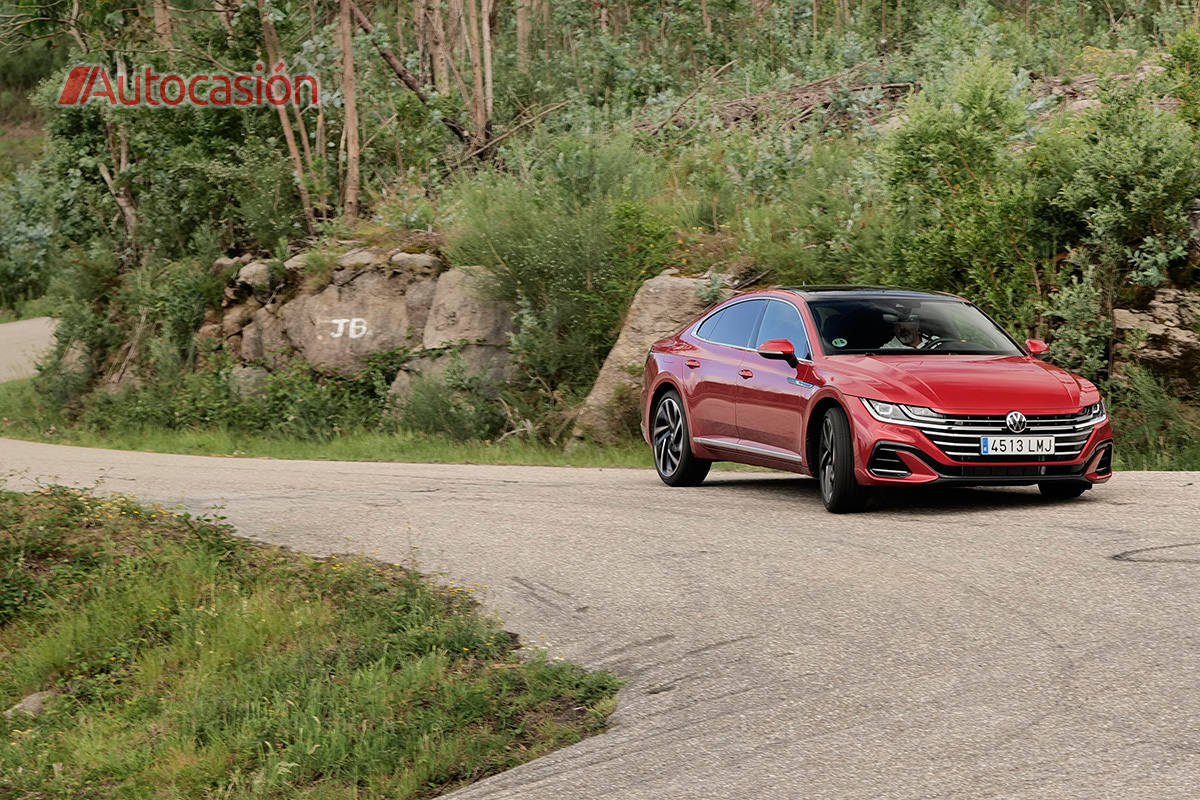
190, 663
24, 415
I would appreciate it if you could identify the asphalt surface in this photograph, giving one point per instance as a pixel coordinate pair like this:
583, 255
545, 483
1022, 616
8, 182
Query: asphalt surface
20, 345
954, 644
957, 644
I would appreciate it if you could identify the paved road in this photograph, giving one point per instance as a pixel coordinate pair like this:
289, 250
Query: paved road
20, 345
967, 644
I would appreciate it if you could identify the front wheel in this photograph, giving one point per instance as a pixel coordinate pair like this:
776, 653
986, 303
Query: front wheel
671, 441
1062, 490
840, 491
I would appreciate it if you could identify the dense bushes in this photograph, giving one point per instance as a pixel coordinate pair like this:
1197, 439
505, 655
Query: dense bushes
567, 243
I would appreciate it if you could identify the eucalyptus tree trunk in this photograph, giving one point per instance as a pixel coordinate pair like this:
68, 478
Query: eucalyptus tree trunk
478, 102
524, 28
349, 94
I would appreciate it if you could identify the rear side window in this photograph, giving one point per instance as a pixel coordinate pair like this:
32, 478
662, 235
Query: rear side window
782, 321
733, 325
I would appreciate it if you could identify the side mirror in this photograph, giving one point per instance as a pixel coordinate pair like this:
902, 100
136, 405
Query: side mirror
1036, 346
779, 350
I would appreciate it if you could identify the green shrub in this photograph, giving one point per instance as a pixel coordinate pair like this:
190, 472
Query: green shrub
568, 256
962, 209
1153, 428
1078, 326
461, 406
1132, 174
295, 400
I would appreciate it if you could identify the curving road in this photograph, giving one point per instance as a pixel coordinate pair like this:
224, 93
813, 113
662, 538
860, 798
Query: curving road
961, 644
20, 345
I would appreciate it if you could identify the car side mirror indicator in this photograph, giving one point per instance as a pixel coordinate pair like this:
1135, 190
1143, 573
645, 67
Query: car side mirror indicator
1036, 346
779, 350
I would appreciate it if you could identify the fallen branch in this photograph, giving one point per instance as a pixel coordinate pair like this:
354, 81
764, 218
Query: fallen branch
495, 141
700, 85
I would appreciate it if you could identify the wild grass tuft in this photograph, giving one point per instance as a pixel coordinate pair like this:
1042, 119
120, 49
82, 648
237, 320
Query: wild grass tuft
190, 663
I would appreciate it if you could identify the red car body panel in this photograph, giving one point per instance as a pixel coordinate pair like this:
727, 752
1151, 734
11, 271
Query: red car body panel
743, 407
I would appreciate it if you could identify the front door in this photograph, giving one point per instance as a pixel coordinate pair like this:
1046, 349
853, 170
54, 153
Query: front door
773, 395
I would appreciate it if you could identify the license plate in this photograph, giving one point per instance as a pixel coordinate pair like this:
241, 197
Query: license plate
1016, 445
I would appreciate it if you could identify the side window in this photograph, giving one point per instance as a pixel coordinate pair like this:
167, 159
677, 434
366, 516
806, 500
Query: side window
737, 323
706, 329
782, 321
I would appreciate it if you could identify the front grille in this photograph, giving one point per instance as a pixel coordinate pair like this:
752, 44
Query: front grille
886, 464
958, 435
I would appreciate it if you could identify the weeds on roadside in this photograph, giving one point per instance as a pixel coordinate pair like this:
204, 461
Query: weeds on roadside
189, 662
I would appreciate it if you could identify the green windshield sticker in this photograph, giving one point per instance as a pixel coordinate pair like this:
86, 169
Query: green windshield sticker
839, 342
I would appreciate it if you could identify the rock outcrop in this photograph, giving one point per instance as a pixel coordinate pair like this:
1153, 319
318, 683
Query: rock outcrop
335, 328
662, 306
1164, 337
376, 300
462, 323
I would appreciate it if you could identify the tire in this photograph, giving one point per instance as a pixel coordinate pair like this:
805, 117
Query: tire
834, 470
671, 442
1062, 490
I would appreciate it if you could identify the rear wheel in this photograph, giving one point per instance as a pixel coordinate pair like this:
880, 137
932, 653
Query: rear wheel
840, 491
671, 441
1062, 490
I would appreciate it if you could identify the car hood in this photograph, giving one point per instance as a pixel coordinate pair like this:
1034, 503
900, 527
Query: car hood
961, 383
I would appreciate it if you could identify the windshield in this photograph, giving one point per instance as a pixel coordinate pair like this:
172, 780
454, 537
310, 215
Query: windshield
907, 326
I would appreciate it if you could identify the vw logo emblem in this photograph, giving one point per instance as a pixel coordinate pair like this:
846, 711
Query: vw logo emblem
1015, 421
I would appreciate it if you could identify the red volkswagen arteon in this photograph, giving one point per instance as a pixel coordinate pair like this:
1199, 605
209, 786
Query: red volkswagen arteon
863, 387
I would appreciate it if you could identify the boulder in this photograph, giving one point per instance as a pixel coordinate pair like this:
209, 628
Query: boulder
363, 258
265, 339
460, 311
416, 262
335, 328
248, 381
225, 264
296, 264
463, 321
236, 318
256, 275
31, 706
418, 298
662, 306
1164, 337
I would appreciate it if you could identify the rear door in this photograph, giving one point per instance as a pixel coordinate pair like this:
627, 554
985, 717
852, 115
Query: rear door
772, 395
723, 341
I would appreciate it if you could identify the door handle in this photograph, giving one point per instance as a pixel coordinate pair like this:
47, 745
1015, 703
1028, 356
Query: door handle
745, 373
691, 363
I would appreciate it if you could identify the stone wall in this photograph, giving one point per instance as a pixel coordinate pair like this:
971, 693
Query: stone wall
376, 300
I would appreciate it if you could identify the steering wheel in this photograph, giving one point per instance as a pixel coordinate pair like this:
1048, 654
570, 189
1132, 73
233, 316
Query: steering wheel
935, 342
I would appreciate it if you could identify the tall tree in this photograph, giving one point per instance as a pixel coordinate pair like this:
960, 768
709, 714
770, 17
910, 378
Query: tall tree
349, 96
271, 46
524, 28
162, 24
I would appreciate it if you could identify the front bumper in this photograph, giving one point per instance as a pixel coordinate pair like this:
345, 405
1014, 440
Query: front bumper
891, 455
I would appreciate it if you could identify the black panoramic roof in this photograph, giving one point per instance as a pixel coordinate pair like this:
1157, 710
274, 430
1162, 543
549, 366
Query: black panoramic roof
817, 292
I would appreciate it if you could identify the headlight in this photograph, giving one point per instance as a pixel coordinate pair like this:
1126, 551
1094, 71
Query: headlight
897, 413
1096, 412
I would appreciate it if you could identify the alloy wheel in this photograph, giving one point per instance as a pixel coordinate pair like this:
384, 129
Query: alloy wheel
668, 436
827, 462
